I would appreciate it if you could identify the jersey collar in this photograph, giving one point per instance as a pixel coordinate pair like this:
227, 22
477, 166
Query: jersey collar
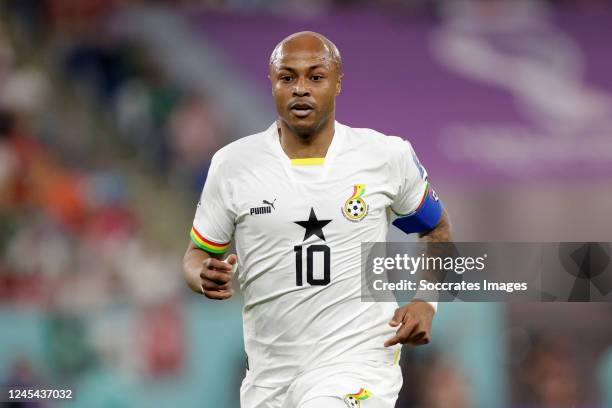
273, 138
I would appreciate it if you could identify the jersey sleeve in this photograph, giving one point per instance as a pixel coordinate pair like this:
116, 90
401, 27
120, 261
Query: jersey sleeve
213, 224
413, 184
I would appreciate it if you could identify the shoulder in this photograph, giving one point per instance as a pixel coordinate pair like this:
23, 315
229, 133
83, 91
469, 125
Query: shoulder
377, 142
235, 154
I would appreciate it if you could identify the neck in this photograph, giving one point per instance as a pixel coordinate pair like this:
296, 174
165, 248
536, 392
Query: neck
306, 146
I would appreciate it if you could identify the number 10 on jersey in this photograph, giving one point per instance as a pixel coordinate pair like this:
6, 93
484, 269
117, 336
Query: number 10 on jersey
310, 251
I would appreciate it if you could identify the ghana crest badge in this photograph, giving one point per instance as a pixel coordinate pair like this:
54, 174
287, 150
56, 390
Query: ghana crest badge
354, 400
355, 209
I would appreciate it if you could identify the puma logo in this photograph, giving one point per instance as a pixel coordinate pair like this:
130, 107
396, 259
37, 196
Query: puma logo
267, 209
271, 204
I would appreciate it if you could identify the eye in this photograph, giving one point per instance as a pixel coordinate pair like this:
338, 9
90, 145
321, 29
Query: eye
316, 77
285, 78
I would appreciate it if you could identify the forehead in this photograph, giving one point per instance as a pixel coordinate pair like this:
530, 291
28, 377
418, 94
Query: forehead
301, 52
303, 61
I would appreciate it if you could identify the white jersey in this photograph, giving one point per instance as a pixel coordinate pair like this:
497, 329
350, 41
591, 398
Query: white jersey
297, 227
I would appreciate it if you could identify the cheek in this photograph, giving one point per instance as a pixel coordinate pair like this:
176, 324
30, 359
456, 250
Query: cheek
327, 96
280, 95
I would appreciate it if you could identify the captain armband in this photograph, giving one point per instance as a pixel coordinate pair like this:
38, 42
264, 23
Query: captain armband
425, 217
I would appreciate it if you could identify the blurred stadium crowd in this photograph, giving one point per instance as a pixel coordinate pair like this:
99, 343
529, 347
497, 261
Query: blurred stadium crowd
83, 116
103, 151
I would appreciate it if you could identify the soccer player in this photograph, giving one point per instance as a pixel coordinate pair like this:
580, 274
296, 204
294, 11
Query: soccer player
298, 199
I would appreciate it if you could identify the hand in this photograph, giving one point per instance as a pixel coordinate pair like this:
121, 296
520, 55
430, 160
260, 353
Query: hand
414, 321
217, 277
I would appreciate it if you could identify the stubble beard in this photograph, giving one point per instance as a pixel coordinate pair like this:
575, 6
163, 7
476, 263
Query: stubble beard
306, 133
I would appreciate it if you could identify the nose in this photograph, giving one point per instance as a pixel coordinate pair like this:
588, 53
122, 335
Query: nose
300, 88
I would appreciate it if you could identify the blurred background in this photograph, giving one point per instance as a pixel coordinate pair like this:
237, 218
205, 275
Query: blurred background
110, 111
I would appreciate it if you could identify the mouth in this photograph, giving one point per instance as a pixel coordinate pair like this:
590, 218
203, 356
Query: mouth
300, 109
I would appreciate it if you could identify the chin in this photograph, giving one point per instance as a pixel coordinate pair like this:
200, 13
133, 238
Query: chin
305, 132
302, 128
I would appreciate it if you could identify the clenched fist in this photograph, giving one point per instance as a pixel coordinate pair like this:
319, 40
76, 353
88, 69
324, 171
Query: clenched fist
216, 277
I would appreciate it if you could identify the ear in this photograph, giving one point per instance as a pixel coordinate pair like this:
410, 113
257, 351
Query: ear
271, 84
339, 84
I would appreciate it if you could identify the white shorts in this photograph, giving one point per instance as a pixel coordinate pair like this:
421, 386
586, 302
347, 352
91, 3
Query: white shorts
335, 385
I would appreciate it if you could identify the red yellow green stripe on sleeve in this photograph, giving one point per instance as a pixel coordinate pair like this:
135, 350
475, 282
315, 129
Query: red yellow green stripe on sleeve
207, 244
427, 188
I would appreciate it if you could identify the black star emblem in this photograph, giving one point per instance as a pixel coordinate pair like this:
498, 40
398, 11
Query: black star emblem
313, 225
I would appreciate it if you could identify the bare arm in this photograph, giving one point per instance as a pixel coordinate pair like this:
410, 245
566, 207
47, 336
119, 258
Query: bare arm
206, 273
441, 232
414, 320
